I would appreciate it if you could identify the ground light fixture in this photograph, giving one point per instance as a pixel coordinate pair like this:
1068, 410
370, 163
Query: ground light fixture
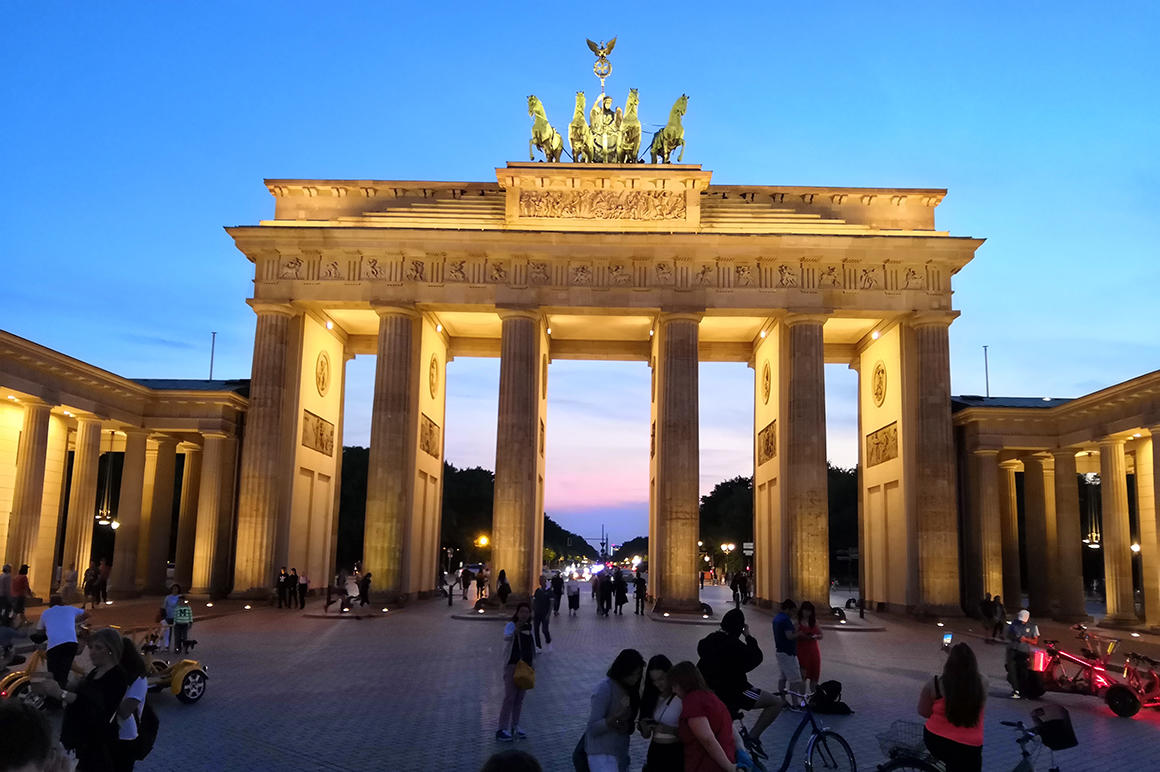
1135, 635
108, 603
480, 611
386, 610
209, 605
939, 624
704, 616
666, 614
246, 607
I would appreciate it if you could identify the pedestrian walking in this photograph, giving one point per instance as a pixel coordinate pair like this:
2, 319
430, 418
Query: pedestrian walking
557, 592
59, 623
465, 579
953, 708
573, 595
521, 648
808, 654
20, 593
68, 588
605, 592
660, 716
91, 583
1021, 636
503, 588
620, 588
986, 608
168, 607
480, 583
595, 582
706, 728
5, 594
103, 571
785, 645
542, 614
612, 713
640, 591
303, 587
292, 588
998, 617
364, 590
735, 586
282, 585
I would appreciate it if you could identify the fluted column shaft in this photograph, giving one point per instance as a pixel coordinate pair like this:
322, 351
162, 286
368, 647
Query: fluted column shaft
1068, 545
28, 492
1116, 532
1148, 496
262, 451
1009, 530
807, 515
937, 519
678, 464
187, 518
515, 506
82, 503
1036, 483
391, 460
157, 520
211, 547
123, 572
987, 520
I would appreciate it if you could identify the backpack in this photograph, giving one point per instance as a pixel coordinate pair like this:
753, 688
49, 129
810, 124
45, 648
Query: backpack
828, 699
147, 725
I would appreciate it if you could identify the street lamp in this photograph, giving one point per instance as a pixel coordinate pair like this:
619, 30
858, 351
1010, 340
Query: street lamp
482, 541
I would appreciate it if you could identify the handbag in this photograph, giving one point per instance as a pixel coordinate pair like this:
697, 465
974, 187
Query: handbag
524, 676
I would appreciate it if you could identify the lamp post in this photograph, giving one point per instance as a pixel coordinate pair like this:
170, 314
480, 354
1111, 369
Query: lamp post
447, 578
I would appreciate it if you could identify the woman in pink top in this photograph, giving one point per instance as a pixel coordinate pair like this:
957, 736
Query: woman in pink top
953, 707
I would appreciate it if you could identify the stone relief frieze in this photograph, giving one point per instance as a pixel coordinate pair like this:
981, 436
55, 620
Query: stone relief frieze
538, 273
428, 436
664, 272
291, 268
455, 270
375, 269
497, 273
603, 204
417, 271
618, 275
742, 276
317, 433
581, 275
830, 276
767, 443
878, 383
705, 275
332, 271
870, 278
882, 445
913, 280
786, 276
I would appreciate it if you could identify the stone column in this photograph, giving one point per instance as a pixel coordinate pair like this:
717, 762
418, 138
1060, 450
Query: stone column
1117, 535
28, 487
212, 507
937, 520
807, 501
678, 465
157, 520
1069, 547
123, 572
1009, 531
515, 507
82, 502
1148, 497
187, 519
1039, 558
262, 451
988, 517
391, 460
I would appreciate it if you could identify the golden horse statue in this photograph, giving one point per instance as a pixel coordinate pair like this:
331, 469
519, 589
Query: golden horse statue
580, 134
672, 136
628, 146
544, 137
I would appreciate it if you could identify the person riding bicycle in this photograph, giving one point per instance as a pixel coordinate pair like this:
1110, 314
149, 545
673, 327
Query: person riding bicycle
952, 705
726, 656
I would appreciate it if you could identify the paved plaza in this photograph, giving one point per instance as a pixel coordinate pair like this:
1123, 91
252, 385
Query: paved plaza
418, 690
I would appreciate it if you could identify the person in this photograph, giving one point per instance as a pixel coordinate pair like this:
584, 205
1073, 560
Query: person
953, 708
168, 606
573, 595
705, 728
502, 588
606, 592
986, 608
745, 587
1021, 636
26, 741
182, 622
620, 588
282, 585
735, 586
701, 579
132, 704
660, 715
521, 646
595, 582
292, 589
87, 728
726, 656
103, 571
557, 592
68, 588
480, 582
785, 645
364, 590
59, 622
465, 577
640, 591
5, 594
20, 593
511, 761
303, 586
808, 655
91, 582
541, 614
998, 617
612, 713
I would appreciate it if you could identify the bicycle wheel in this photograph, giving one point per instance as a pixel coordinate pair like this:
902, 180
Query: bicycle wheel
830, 751
908, 765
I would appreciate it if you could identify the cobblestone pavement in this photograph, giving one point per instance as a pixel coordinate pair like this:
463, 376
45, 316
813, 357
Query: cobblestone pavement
420, 691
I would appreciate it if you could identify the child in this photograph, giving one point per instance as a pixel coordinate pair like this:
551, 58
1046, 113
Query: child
182, 621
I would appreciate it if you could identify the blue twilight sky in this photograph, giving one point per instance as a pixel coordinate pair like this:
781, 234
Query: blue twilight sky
131, 133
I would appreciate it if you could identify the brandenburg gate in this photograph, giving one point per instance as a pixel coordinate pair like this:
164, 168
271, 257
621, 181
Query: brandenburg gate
632, 262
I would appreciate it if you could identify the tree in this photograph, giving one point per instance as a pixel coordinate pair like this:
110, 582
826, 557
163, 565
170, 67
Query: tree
638, 545
727, 513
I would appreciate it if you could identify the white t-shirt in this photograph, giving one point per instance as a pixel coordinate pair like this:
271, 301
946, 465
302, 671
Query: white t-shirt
573, 587
60, 624
668, 712
136, 691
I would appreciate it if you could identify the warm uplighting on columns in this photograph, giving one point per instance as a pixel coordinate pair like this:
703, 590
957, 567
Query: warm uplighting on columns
875, 335
329, 325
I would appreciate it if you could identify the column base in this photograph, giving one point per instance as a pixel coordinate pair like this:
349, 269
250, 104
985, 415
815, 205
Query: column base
677, 606
1121, 622
1072, 619
933, 611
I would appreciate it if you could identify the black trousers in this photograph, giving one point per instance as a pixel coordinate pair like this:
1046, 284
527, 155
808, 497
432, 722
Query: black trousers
301, 596
282, 599
1017, 668
556, 601
59, 660
541, 622
956, 756
640, 602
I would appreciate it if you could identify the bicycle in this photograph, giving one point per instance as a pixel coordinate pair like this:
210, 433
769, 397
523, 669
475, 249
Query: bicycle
826, 749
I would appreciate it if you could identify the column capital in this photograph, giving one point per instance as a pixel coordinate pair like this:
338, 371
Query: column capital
514, 312
1064, 452
32, 401
265, 307
133, 430
164, 439
933, 318
1011, 464
214, 435
793, 318
679, 316
1111, 442
386, 309
993, 452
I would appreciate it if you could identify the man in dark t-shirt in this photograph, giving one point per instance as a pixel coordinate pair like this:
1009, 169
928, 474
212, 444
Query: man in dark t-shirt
785, 644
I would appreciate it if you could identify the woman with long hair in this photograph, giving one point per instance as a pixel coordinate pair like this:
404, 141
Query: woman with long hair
131, 707
706, 728
612, 713
521, 646
660, 717
808, 654
502, 588
953, 707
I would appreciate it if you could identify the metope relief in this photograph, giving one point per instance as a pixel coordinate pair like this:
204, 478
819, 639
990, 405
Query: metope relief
913, 280
767, 443
332, 271
830, 276
428, 436
374, 269
538, 273
603, 204
618, 275
455, 270
882, 445
742, 276
317, 433
869, 278
664, 272
291, 268
705, 275
497, 273
417, 271
786, 276
581, 275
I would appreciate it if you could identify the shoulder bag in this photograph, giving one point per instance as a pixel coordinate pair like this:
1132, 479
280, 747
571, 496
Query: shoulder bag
524, 676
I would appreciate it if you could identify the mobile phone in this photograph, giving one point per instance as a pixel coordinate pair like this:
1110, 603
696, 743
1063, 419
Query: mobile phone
947, 640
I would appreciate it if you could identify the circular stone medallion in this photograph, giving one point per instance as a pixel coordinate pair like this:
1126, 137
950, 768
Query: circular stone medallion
322, 373
766, 384
433, 376
878, 383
